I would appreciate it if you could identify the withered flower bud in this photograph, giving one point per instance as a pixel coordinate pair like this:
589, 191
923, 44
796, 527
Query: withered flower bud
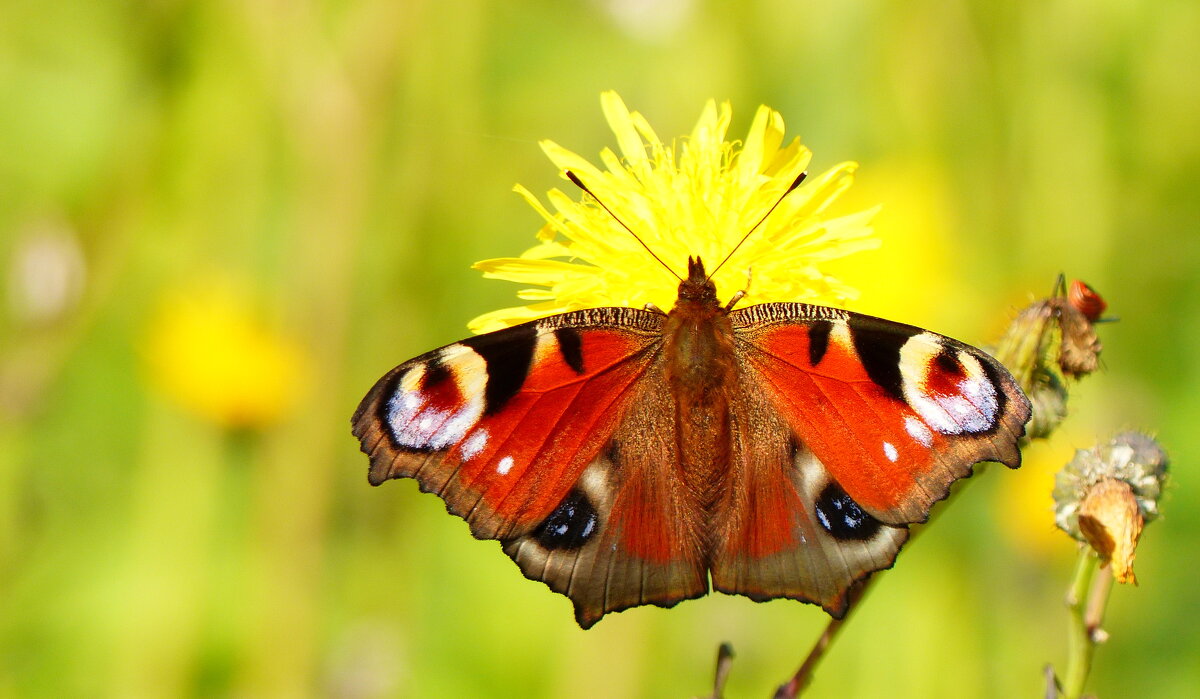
1049, 341
1106, 494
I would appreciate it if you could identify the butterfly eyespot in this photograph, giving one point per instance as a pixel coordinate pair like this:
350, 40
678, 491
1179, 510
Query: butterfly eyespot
571, 524
431, 406
951, 390
842, 517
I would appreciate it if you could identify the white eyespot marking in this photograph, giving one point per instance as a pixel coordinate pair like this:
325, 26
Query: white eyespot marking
889, 450
950, 400
436, 416
813, 475
474, 444
918, 431
594, 484
504, 466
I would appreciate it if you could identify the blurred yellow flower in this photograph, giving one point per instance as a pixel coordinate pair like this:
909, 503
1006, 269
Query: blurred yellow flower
697, 197
918, 267
207, 350
1024, 504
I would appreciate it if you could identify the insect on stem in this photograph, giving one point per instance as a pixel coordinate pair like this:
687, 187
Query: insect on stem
579, 183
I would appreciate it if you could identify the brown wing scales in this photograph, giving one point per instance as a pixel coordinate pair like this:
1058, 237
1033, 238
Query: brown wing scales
625, 535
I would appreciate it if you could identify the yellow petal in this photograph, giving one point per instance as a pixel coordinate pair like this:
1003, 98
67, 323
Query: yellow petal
699, 195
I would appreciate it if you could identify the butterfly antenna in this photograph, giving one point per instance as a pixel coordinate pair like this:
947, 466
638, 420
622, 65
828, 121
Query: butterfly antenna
753, 228
579, 183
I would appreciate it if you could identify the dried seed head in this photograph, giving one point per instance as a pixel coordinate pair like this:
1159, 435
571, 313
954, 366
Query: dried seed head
1106, 494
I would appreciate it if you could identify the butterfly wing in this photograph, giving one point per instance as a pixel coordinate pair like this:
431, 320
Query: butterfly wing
780, 532
515, 431
846, 429
560, 439
639, 533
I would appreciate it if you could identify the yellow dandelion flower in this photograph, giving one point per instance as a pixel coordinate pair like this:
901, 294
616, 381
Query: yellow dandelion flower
697, 197
206, 349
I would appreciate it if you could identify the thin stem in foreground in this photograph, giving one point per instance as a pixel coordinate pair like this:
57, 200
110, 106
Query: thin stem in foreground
792, 688
1080, 641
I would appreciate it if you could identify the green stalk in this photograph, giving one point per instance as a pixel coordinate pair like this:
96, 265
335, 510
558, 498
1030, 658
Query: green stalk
1080, 644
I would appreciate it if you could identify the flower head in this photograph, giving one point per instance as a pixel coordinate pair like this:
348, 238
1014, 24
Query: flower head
1106, 494
699, 196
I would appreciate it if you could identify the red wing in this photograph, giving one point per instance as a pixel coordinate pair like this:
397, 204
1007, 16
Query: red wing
846, 429
895, 413
521, 433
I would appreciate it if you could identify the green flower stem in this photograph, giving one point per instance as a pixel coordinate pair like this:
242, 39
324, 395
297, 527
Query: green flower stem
1097, 603
1081, 643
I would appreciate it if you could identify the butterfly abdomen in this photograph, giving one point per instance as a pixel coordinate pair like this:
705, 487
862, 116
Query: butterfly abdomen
701, 367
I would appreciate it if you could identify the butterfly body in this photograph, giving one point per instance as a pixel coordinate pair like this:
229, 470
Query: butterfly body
698, 359
626, 456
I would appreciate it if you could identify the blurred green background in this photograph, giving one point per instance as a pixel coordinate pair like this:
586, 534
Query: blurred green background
291, 192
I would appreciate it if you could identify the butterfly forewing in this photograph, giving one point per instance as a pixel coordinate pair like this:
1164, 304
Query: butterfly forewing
502, 425
845, 429
895, 413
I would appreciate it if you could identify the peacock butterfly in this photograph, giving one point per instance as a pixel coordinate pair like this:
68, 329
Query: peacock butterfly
628, 456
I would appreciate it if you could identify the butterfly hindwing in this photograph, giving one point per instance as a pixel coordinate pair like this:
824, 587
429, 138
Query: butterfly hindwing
644, 544
786, 528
